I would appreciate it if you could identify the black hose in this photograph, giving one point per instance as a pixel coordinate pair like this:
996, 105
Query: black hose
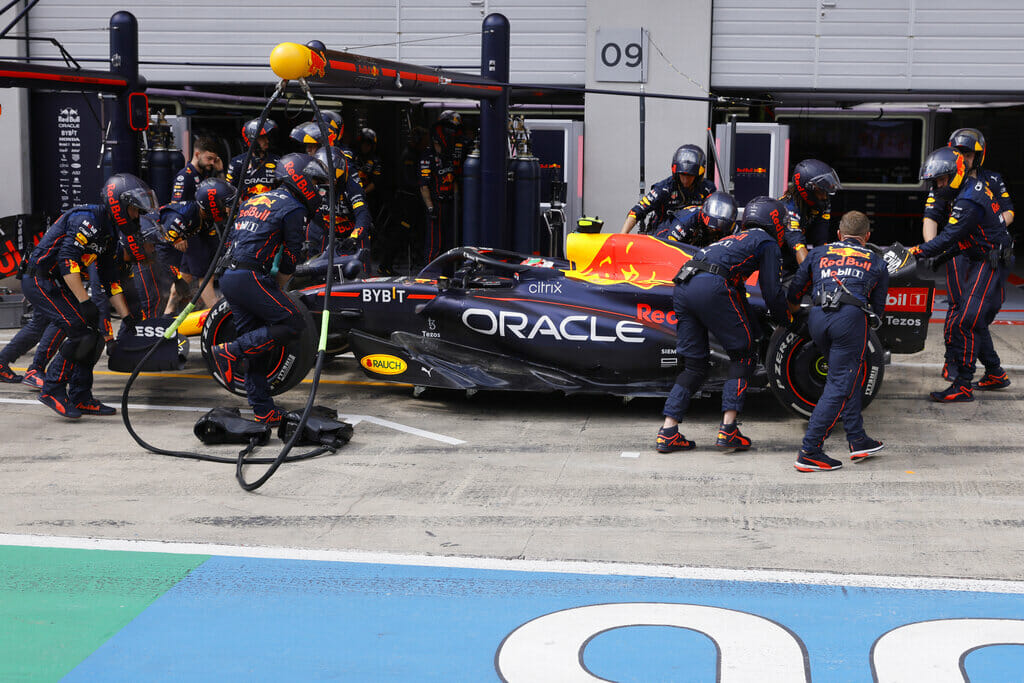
282, 457
324, 316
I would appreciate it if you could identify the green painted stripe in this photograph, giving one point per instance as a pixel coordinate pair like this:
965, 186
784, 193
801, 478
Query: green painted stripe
57, 606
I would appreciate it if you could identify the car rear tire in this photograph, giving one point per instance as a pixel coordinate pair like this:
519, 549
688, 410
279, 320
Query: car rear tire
796, 369
289, 363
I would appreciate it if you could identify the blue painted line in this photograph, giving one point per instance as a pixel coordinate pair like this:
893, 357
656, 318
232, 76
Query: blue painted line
250, 619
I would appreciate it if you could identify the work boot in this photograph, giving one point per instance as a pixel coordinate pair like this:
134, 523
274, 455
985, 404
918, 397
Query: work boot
94, 407
955, 393
729, 436
273, 417
225, 362
815, 461
60, 405
863, 448
33, 379
7, 375
670, 440
993, 380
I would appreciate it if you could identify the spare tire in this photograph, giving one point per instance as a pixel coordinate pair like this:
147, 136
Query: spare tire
796, 369
289, 363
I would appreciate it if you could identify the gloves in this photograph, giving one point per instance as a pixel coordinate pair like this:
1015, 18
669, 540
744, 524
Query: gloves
915, 250
348, 246
89, 312
111, 347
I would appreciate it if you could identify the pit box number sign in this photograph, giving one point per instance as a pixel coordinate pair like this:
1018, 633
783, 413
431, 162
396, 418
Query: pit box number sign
621, 55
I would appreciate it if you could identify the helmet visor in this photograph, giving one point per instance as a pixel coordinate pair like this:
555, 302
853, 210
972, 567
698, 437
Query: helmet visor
719, 212
937, 165
142, 199
826, 182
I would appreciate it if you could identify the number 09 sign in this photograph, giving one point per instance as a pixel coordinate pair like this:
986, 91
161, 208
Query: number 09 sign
621, 55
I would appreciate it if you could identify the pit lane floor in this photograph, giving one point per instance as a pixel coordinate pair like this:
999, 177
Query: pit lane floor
521, 477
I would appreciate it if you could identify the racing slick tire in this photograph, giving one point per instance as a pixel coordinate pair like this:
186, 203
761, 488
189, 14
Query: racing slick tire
796, 369
289, 363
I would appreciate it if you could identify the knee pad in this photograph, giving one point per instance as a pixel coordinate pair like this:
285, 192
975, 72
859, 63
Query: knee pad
695, 371
286, 332
86, 348
741, 364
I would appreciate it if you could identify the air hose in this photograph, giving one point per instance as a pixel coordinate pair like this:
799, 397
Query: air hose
241, 460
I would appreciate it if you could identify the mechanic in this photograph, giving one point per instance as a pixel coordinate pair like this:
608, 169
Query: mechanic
38, 332
264, 315
710, 296
971, 144
180, 222
261, 175
53, 284
977, 227
700, 226
438, 186
405, 231
351, 216
311, 138
808, 201
369, 167
848, 283
687, 186
206, 163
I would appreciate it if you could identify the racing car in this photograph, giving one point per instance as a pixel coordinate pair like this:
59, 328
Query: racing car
599, 321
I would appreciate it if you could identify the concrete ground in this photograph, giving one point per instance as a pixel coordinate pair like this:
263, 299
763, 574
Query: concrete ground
546, 477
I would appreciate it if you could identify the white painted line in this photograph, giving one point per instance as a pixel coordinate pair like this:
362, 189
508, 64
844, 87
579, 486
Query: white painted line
938, 366
405, 428
352, 419
555, 566
630, 454
133, 406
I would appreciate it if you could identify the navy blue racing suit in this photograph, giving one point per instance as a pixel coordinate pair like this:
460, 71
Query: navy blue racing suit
686, 226
715, 301
200, 250
181, 221
437, 174
977, 228
666, 197
84, 236
351, 218
840, 330
938, 209
265, 317
814, 222
38, 332
259, 177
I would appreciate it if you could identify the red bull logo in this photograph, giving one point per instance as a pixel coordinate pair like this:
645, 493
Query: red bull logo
215, 212
317, 64
260, 200
116, 210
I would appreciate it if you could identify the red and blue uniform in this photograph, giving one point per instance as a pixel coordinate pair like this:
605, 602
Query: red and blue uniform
686, 226
838, 323
976, 227
84, 236
437, 174
259, 177
666, 197
264, 315
351, 218
200, 251
938, 209
814, 223
713, 299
